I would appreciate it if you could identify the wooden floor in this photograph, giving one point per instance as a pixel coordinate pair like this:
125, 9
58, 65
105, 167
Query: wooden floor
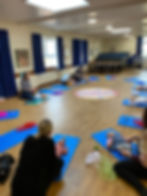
79, 117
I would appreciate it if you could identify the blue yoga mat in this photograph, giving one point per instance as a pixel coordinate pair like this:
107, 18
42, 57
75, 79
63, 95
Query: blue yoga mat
110, 78
140, 82
36, 101
132, 80
72, 143
127, 102
101, 138
129, 121
13, 138
139, 93
11, 114
59, 87
93, 78
46, 91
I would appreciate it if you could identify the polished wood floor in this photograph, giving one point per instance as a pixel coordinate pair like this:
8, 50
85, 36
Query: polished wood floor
79, 117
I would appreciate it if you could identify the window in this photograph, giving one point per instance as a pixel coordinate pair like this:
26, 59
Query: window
50, 52
144, 49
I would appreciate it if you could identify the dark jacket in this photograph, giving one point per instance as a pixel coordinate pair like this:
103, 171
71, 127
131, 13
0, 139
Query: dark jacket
38, 167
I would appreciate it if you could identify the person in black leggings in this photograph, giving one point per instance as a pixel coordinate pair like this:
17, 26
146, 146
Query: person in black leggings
134, 170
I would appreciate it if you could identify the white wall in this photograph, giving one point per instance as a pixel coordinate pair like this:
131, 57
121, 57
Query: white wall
120, 44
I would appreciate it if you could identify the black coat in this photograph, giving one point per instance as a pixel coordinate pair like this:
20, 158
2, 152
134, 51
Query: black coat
38, 167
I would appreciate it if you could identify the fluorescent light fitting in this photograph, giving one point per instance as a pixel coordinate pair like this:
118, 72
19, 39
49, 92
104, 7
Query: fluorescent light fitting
120, 30
58, 5
92, 21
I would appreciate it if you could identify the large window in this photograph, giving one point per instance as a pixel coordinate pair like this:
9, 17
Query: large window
50, 52
144, 49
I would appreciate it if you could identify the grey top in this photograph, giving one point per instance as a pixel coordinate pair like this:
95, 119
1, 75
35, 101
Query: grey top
26, 86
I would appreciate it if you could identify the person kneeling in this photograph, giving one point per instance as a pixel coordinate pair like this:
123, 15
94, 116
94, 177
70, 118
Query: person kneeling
40, 163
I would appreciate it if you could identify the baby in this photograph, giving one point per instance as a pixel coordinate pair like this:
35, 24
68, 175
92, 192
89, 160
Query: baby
126, 147
60, 148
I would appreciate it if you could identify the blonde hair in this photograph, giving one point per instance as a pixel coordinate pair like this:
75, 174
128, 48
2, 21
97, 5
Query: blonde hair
45, 127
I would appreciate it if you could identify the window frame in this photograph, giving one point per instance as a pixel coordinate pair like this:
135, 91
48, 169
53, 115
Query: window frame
50, 67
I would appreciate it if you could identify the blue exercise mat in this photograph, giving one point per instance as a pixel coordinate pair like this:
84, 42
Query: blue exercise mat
59, 87
93, 78
11, 114
46, 91
132, 80
110, 78
140, 82
127, 102
101, 138
139, 93
72, 143
129, 121
14, 137
37, 101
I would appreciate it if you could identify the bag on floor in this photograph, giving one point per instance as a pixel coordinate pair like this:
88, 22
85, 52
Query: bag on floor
6, 162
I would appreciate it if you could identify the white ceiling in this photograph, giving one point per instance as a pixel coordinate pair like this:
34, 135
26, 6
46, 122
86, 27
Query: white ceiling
119, 13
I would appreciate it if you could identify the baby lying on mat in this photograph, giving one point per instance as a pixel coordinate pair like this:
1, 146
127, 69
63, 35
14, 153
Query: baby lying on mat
128, 148
138, 100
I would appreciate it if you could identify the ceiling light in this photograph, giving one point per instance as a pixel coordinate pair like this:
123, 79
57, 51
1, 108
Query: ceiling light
58, 5
92, 21
120, 30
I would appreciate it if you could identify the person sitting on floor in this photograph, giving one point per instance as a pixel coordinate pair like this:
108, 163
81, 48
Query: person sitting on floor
66, 80
126, 147
141, 86
78, 76
133, 170
40, 163
27, 92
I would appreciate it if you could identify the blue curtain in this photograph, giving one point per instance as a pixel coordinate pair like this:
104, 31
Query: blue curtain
1, 90
80, 52
139, 46
38, 53
76, 52
85, 51
7, 78
60, 52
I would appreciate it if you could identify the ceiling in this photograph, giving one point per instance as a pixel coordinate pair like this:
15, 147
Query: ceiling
118, 13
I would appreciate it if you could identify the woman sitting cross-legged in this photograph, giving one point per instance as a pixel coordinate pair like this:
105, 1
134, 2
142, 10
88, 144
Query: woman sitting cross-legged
40, 163
134, 170
27, 92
